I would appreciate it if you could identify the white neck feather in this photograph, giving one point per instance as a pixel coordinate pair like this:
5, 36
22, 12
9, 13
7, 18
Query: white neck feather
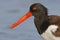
47, 35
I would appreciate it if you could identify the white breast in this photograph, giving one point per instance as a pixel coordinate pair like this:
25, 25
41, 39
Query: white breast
47, 35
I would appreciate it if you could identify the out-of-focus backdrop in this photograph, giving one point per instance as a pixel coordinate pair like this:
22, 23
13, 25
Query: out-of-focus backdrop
12, 10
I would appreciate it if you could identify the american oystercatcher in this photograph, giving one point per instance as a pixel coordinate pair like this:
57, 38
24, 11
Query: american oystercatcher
47, 26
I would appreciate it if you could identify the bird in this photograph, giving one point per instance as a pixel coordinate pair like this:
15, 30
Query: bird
48, 26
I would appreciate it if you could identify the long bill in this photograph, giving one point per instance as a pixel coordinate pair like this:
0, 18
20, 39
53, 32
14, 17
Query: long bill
22, 19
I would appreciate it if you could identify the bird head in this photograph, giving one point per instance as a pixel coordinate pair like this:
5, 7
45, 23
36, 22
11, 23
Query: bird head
36, 10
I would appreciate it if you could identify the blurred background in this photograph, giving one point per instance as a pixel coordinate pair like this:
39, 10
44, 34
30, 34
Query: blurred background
12, 10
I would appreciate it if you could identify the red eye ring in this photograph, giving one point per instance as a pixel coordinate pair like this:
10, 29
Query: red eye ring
34, 8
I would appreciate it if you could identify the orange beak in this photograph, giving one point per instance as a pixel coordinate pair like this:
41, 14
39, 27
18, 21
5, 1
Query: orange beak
26, 16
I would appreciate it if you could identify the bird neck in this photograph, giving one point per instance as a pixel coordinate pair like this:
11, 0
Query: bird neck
42, 23
44, 26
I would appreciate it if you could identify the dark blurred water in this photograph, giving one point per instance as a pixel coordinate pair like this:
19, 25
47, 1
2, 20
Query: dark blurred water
12, 10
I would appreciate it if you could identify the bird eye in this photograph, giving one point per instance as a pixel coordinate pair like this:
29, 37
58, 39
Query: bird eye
34, 8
